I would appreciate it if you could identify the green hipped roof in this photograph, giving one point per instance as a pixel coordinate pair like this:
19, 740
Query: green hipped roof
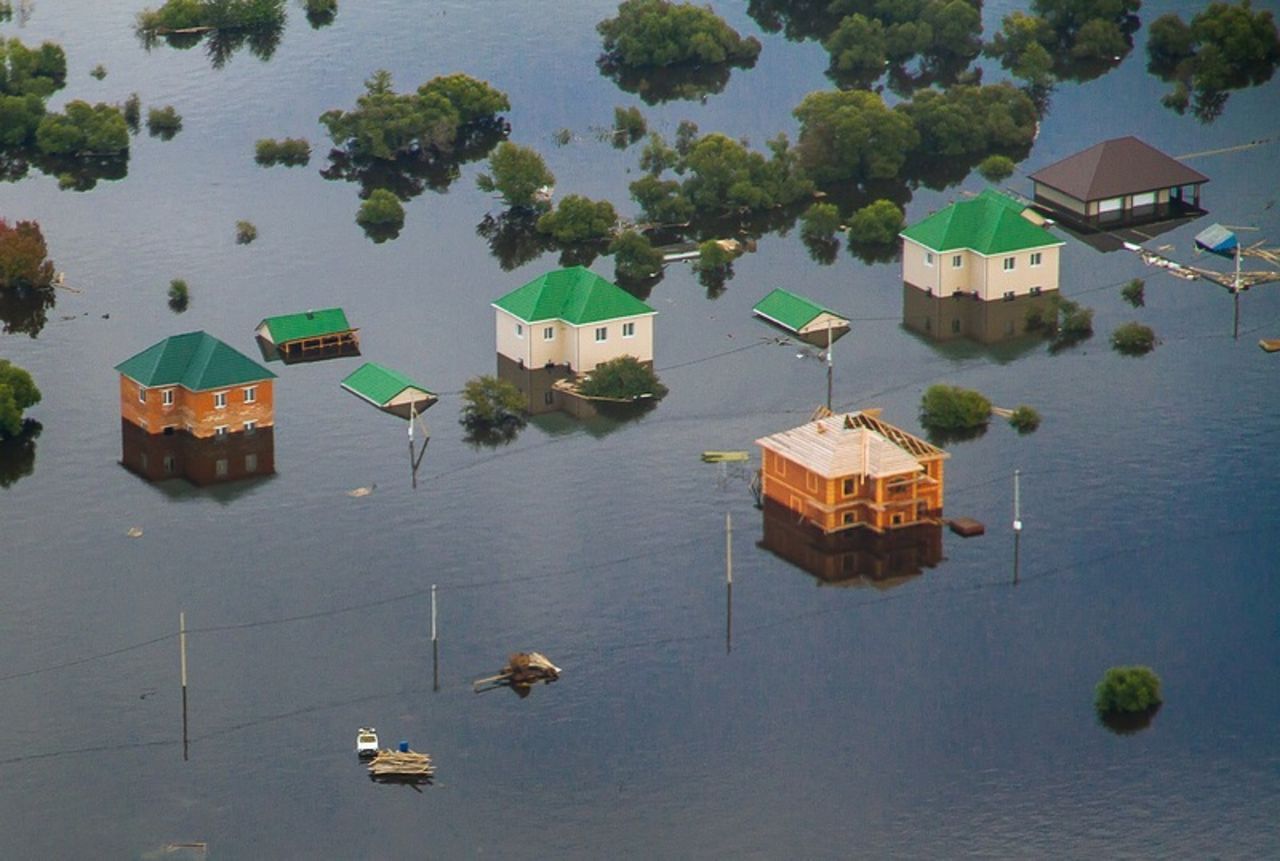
306, 324
378, 384
990, 223
196, 361
576, 295
789, 310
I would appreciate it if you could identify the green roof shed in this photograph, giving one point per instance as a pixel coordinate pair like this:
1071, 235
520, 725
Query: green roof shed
388, 390
796, 313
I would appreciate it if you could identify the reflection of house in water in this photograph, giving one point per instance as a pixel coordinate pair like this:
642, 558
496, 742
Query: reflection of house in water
560, 326
853, 557
201, 461
841, 472
194, 407
1118, 182
976, 268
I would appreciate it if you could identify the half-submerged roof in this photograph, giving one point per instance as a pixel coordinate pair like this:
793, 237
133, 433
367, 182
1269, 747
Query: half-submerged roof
793, 312
991, 223
305, 324
1114, 168
194, 360
857, 444
575, 295
380, 385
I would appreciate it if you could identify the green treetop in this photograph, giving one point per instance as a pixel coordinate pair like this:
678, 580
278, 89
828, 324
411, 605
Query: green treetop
655, 33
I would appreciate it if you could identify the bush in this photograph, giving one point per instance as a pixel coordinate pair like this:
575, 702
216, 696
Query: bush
628, 126
623, 378
1127, 690
877, 224
1024, 419
713, 257
996, 168
245, 232
381, 210
491, 406
820, 221
656, 33
99, 71
179, 295
84, 130
164, 122
634, 257
950, 408
1133, 339
1134, 293
17, 392
290, 152
132, 112
579, 219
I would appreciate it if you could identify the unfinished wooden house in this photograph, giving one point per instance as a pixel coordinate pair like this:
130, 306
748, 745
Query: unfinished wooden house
849, 471
308, 335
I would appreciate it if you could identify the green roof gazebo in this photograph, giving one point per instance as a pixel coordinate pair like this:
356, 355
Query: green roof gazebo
308, 335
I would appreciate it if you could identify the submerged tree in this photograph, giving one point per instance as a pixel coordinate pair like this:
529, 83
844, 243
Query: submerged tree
519, 175
321, 13
228, 25
1133, 339
623, 378
290, 152
17, 392
164, 122
1127, 690
635, 260
951, 409
381, 216
493, 411
579, 219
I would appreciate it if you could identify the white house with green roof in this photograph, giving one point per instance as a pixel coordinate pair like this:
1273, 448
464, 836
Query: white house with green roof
982, 247
575, 318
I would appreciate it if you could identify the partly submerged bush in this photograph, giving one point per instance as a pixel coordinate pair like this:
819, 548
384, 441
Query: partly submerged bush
290, 152
246, 232
179, 295
951, 408
1024, 419
1133, 339
996, 168
1127, 690
1135, 292
164, 122
624, 378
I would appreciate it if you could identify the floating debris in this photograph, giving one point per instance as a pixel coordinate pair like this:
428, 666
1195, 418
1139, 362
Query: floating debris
966, 527
522, 672
1271, 345
366, 742
362, 491
404, 766
134, 532
725, 456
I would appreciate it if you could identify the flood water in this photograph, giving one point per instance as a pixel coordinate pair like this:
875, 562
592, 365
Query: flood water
942, 714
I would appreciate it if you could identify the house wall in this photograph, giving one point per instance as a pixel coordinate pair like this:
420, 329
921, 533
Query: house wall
195, 412
1024, 277
588, 352
1059, 200
976, 273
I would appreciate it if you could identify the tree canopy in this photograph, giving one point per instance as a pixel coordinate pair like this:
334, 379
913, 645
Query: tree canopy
518, 174
579, 219
492, 410
24, 263
213, 14
386, 124
852, 136
951, 408
625, 378
17, 392
27, 71
84, 129
658, 33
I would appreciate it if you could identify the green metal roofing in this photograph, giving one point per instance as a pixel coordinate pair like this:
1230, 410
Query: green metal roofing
306, 324
990, 223
379, 384
789, 310
576, 295
194, 360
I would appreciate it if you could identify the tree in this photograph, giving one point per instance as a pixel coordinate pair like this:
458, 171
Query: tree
634, 257
1099, 39
820, 221
950, 408
24, 263
852, 135
628, 126
1024, 419
17, 392
164, 122
381, 215
1069, 17
214, 14
179, 295
579, 219
996, 168
492, 410
657, 33
1170, 42
878, 223
1127, 689
25, 71
84, 130
1133, 339
518, 174
858, 48
19, 118
623, 378
662, 200
1225, 47
321, 13
966, 119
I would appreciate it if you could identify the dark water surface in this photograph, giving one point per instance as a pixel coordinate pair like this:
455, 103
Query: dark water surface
947, 715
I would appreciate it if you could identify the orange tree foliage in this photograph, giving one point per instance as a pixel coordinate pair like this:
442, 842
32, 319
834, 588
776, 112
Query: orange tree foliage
23, 256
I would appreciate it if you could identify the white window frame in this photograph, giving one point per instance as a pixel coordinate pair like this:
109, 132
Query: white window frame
548, 333
142, 395
166, 397
220, 400
220, 431
602, 334
1010, 263
629, 330
1035, 258
928, 259
520, 331
250, 394
250, 426
957, 261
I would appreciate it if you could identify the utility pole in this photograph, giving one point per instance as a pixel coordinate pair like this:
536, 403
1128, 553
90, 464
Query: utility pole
728, 582
1235, 289
182, 653
829, 363
435, 644
1017, 521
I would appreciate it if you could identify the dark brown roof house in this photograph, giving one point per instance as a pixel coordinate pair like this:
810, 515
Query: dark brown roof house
1118, 182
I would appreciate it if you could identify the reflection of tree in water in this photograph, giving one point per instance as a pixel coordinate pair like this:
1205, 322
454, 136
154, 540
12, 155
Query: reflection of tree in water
76, 174
222, 44
823, 250
381, 233
945, 437
513, 239
18, 453
657, 85
25, 310
494, 436
1128, 723
798, 20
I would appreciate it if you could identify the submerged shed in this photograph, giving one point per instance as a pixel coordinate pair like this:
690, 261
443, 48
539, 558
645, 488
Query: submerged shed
1218, 240
309, 335
798, 314
388, 390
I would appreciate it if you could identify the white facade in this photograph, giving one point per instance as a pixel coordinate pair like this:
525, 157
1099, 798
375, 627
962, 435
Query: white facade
556, 342
1000, 276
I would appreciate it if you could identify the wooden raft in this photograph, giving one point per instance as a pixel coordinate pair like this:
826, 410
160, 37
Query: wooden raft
400, 763
523, 670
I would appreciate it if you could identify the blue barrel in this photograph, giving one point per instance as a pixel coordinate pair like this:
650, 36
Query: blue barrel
404, 747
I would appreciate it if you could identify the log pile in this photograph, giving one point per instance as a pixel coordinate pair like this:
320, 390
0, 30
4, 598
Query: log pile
523, 671
401, 764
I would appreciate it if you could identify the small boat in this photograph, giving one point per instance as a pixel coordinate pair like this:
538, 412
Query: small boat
367, 742
1271, 345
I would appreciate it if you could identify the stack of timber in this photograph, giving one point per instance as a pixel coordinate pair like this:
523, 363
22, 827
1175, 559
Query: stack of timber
523, 671
391, 764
